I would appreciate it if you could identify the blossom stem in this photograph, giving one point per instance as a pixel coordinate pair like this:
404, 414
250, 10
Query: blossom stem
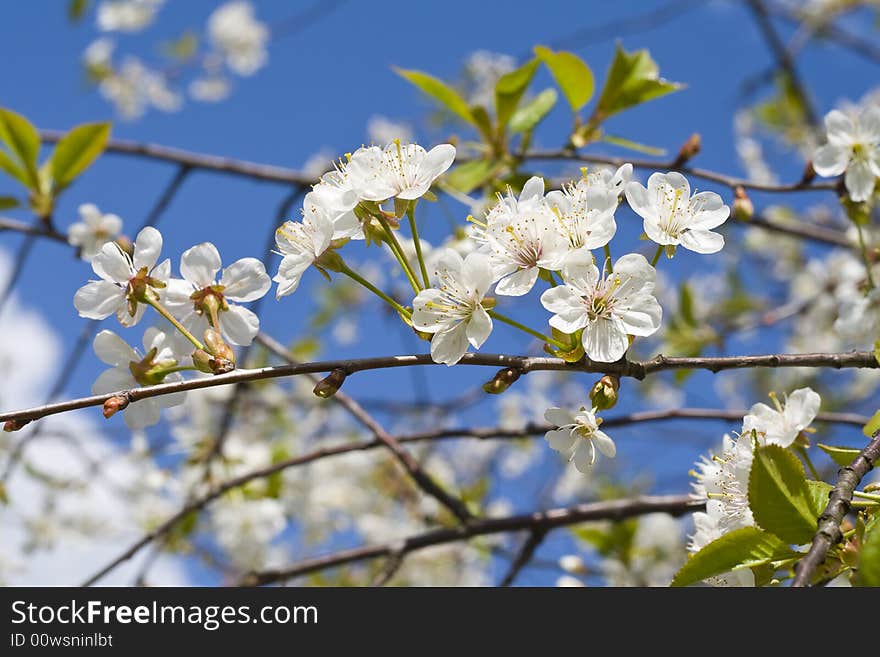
608, 256
657, 255
864, 249
173, 321
397, 250
522, 327
866, 496
411, 215
812, 468
548, 276
375, 290
179, 368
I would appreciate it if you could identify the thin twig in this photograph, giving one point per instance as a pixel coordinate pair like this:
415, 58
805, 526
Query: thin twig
525, 554
828, 533
676, 505
624, 368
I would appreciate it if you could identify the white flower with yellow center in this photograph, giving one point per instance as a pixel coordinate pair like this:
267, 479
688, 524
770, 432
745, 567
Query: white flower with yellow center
608, 309
586, 211
782, 425
94, 231
453, 311
404, 171
853, 147
672, 216
578, 437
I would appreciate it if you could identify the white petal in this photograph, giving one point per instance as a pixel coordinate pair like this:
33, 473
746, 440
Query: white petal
115, 379
200, 264
709, 211
558, 416
450, 345
479, 326
839, 128
584, 456
239, 325
177, 294
801, 407
642, 317
98, 299
147, 248
245, 280
518, 283
605, 340
436, 162
113, 350
532, 190
604, 444
426, 316
142, 414
561, 440
860, 181
290, 271
477, 273
702, 241
639, 200
112, 264
831, 160
579, 271
570, 313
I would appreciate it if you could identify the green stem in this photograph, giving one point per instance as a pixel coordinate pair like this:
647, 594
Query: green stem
523, 327
657, 255
803, 452
867, 496
375, 290
864, 249
548, 276
411, 215
608, 256
167, 315
179, 368
397, 250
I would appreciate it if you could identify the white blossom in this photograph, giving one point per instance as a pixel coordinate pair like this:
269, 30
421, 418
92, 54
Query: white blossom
577, 437
127, 15
781, 426
524, 236
114, 351
586, 210
243, 281
246, 527
234, 31
453, 311
94, 231
854, 148
210, 88
301, 244
121, 275
135, 87
608, 309
672, 216
404, 171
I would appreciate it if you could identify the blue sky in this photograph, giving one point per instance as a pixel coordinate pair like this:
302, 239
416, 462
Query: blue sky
318, 91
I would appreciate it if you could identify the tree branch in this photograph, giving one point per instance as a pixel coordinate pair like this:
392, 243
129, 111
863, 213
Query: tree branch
828, 533
525, 554
676, 505
635, 369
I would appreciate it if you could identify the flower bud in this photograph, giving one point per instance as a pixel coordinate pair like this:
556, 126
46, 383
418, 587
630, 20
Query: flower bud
688, 150
743, 210
809, 174
217, 347
113, 405
331, 261
15, 425
604, 392
202, 360
502, 380
330, 384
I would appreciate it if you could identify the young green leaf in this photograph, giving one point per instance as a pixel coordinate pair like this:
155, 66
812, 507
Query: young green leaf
470, 175
779, 496
819, 492
13, 169
633, 78
76, 9
8, 202
76, 150
509, 91
527, 117
873, 426
439, 91
638, 147
483, 122
571, 73
23, 141
748, 547
840, 455
868, 573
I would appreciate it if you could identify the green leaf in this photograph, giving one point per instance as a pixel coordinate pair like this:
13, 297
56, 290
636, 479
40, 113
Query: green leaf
779, 496
868, 573
77, 150
877, 351
8, 202
842, 456
686, 305
439, 91
483, 122
634, 145
76, 9
633, 78
819, 492
23, 141
470, 175
873, 426
509, 91
532, 113
571, 73
748, 547
14, 170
